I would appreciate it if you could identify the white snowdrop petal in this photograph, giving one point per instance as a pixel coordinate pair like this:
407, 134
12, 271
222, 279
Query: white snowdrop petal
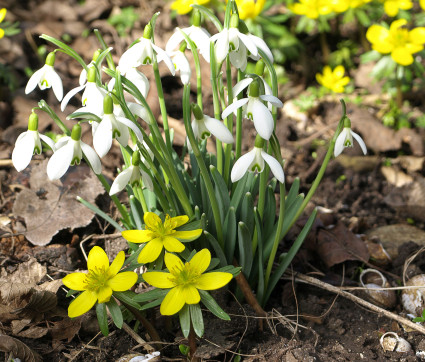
239, 58
175, 40
70, 94
102, 139
132, 126
60, 161
234, 106
339, 143
56, 82
222, 46
49, 141
242, 165
124, 132
23, 151
182, 64
275, 166
261, 44
92, 157
248, 43
272, 99
360, 141
34, 80
241, 85
121, 181
263, 119
162, 55
147, 180
139, 111
131, 57
218, 129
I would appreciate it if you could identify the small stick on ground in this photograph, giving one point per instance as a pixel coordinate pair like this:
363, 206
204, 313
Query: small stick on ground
313, 281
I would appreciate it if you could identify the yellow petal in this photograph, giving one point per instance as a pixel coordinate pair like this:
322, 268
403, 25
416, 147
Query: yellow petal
417, 35
339, 71
172, 244
1, 33
173, 302
377, 34
172, 261
391, 8
187, 235
401, 56
152, 220
2, 14
191, 294
116, 264
396, 24
214, 280
137, 236
151, 251
123, 281
319, 77
422, 4
159, 279
75, 281
175, 222
104, 294
200, 261
82, 304
97, 259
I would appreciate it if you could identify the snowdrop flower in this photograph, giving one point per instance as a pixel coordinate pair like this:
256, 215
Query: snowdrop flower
256, 110
198, 35
29, 143
143, 53
137, 78
83, 75
182, 64
233, 41
46, 77
203, 126
254, 161
93, 95
131, 175
345, 139
112, 127
69, 152
135, 108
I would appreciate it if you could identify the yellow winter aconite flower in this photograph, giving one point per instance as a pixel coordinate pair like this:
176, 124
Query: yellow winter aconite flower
185, 280
100, 281
398, 41
340, 6
312, 8
422, 4
250, 9
392, 7
159, 235
2, 16
333, 80
183, 6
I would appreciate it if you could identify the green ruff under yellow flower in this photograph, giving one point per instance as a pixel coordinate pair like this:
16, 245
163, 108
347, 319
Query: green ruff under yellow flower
398, 41
100, 281
333, 79
185, 280
159, 235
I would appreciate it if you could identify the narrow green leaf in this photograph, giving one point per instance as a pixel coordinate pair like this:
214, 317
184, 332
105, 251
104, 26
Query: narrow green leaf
247, 215
128, 298
102, 318
239, 192
115, 311
100, 213
151, 295
293, 193
269, 217
136, 212
85, 115
230, 234
259, 255
212, 305
245, 249
150, 305
217, 248
197, 319
184, 317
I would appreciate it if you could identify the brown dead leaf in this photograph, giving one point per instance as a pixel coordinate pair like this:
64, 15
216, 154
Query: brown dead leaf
339, 244
18, 349
65, 329
49, 212
33, 332
36, 302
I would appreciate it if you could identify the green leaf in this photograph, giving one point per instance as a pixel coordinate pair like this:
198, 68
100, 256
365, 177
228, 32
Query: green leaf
221, 191
230, 233
150, 305
102, 318
115, 311
217, 248
245, 248
269, 212
84, 115
151, 295
128, 298
100, 213
184, 317
260, 267
293, 193
212, 305
247, 215
197, 320
239, 192
136, 212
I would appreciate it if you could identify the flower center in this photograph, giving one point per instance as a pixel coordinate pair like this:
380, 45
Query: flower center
400, 38
96, 279
184, 275
162, 229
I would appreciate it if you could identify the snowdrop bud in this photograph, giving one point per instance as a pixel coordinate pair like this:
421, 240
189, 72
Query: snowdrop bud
197, 112
135, 159
96, 54
33, 122
183, 47
197, 18
259, 68
91, 76
234, 21
254, 89
76, 132
347, 122
259, 141
108, 105
50, 60
147, 33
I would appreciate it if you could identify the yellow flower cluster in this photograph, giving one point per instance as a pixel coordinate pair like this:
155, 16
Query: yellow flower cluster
183, 6
250, 9
392, 7
2, 16
333, 80
314, 8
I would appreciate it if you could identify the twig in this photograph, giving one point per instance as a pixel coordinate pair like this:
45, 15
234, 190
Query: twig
137, 338
313, 281
6, 163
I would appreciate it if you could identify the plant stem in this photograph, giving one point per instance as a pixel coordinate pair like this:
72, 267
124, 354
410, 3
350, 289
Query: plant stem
192, 344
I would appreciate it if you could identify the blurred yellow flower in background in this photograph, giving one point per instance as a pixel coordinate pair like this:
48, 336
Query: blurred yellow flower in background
339, 6
398, 41
250, 9
333, 80
2, 16
392, 7
183, 6
312, 8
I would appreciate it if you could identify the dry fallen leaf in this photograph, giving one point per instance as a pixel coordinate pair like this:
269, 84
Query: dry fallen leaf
18, 349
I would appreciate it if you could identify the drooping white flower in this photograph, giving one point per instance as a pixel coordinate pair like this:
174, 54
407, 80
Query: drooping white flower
203, 126
345, 139
254, 161
112, 127
142, 53
198, 35
260, 44
135, 108
137, 78
181, 64
255, 109
46, 77
131, 175
69, 152
92, 98
29, 143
